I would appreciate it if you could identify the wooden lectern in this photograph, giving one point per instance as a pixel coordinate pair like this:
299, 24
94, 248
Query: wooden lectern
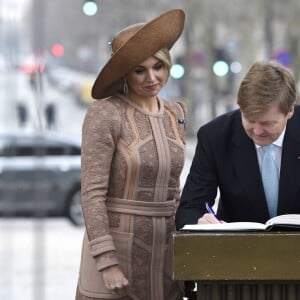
239, 265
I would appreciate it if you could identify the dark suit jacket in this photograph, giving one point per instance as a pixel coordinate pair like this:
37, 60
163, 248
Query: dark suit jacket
226, 158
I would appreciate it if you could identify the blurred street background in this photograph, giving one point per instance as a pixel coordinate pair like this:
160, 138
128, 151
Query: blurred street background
50, 53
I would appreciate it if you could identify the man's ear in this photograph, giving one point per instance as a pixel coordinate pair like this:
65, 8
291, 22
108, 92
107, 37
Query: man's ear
291, 112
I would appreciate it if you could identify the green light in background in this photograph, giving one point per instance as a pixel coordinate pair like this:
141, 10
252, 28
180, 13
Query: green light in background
90, 8
177, 71
220, 68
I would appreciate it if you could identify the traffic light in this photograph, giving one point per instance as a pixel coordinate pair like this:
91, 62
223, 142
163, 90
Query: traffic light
57, 50
90, 7
177, 70
221, 62
220, 68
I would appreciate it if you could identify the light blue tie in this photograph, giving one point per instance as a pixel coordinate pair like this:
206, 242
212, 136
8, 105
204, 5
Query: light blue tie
270, 178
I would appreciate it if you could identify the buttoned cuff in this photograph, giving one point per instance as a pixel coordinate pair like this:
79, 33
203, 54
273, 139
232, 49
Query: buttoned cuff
103, 250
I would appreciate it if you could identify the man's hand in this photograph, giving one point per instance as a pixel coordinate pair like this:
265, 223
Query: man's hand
208, 219
115, 280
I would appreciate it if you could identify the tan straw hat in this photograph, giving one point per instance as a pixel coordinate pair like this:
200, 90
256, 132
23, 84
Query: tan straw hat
133, 45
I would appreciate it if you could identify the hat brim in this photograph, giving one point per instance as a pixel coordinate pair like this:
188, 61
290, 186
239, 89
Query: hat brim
161, 32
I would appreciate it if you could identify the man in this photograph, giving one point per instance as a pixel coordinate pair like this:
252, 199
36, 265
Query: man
229, 154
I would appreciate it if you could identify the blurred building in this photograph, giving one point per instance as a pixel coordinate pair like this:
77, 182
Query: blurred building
236, 31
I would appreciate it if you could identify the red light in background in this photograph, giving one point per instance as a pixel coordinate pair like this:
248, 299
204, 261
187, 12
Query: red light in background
32, 67
57, 50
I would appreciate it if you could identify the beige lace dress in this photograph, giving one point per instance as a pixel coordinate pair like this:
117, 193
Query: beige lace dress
131, 164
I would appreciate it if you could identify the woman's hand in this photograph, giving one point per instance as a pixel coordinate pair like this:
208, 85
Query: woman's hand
115, 280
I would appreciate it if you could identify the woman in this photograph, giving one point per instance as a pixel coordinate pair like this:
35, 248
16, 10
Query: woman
132, 157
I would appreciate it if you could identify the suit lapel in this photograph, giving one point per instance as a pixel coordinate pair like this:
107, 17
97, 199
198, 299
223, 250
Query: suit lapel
289, 185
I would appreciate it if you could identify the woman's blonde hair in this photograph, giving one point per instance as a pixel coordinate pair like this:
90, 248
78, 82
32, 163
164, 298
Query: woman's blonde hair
164, 56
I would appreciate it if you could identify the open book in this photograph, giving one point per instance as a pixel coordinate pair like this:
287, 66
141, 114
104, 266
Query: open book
289, 222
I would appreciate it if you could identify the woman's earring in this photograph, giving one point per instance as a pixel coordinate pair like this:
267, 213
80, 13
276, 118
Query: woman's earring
125, 87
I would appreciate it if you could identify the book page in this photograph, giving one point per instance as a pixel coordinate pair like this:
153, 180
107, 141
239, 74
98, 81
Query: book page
231, 226
288, 219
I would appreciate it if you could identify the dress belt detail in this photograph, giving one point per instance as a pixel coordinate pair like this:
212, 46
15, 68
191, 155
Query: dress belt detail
141, 208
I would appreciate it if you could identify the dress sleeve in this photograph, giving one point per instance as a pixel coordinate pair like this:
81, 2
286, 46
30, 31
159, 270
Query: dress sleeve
100, 131
182, 115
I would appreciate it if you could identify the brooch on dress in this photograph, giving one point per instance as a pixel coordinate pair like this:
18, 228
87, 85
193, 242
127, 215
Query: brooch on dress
182, 121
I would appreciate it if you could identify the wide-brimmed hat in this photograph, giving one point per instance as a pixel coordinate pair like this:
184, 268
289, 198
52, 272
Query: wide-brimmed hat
133, 45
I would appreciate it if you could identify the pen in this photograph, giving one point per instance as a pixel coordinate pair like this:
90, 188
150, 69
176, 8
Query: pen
210, 210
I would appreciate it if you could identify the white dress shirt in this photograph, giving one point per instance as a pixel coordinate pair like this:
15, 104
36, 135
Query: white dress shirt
277, 151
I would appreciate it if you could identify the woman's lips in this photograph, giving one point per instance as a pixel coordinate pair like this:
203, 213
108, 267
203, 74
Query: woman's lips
151, 87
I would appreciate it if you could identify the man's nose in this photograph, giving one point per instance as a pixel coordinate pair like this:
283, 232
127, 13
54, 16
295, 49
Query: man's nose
257, 130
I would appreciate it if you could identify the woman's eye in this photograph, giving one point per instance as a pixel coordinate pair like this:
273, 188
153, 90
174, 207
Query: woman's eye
139, 71
158, 66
